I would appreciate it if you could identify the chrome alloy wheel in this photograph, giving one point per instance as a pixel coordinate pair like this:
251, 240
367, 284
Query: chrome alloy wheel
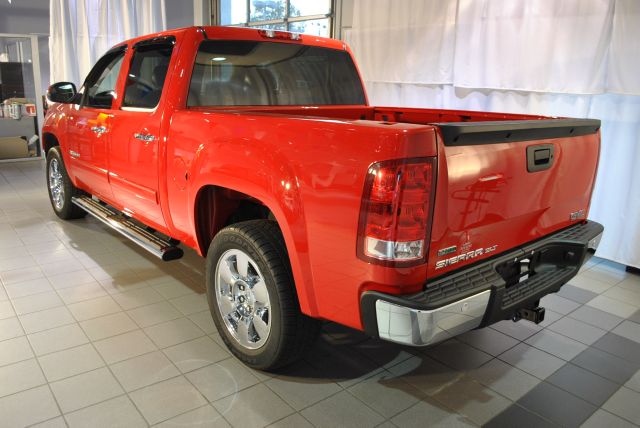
243, 299
56, 185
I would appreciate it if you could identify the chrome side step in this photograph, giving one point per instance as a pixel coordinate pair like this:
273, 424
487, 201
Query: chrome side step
120, 223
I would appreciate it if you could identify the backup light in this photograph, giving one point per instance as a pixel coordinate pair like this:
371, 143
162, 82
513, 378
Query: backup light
395, 214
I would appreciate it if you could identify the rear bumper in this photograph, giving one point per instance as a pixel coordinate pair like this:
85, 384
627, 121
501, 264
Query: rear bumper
479, 295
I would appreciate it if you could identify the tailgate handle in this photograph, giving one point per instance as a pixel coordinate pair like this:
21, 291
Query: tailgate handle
539, 157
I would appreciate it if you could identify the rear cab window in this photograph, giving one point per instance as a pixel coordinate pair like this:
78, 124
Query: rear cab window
147, 74
250, 73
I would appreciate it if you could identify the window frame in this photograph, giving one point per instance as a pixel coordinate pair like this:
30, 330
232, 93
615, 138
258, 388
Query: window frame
97, 71
331, 16
150, 43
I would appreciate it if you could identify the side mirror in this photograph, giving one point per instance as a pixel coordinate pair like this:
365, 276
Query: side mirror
62, 92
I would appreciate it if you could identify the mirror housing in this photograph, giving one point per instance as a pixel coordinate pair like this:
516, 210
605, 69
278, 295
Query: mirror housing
62, 92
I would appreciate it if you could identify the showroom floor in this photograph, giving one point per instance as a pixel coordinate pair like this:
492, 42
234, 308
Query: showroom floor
95, 332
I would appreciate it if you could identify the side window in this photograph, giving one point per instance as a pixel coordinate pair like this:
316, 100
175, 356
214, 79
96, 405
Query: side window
101, 82
146, 75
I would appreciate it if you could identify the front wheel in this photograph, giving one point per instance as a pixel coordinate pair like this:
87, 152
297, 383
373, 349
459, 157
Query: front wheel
252, 296
60, 187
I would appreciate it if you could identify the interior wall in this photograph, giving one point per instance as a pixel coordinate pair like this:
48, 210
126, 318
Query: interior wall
29, 17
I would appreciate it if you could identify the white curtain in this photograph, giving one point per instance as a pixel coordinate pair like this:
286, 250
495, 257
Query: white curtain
578, 58
81, 31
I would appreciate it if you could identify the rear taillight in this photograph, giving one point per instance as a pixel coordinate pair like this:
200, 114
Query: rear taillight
395, 216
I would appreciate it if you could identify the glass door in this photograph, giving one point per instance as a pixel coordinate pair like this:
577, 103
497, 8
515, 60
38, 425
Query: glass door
20, 97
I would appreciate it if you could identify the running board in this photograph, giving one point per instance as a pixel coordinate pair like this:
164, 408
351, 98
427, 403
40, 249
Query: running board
120, 223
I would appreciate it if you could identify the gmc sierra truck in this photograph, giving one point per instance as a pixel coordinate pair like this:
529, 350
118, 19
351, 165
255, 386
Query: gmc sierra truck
259, 150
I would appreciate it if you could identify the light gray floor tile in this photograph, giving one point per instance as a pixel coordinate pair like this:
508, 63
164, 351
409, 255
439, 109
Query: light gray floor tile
6, 310
191, 303
70, 362
124, 346
202, 417
613, 306
424, 373
294, 421
222, 379
116, 412
172, 288
94, 308
591, 284
108, 325
628, 329
302, 385
167, 399
204, 321
36, 302
10, 328
154, 314
458, 355
20, 275
596, 317
472, 399
624, 403
558, 304
46, 319
51, 423
488, 340
196, 353
343, 410
144, 370
82, 292
28, 288
28, 407
625, 295
556, 344
57, 339
582, 332
520, 330
532, 360
136, 298
505, 379
634, 382
20, 376
85, 389
254, 407
14, 350
173, 332
431, 414
602, 418
383, 392
609, 276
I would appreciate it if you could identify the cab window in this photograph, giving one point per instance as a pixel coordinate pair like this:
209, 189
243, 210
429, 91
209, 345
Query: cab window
101, 82
146, 75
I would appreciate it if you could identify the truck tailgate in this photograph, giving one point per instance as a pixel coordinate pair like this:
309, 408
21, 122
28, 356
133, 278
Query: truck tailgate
503, 184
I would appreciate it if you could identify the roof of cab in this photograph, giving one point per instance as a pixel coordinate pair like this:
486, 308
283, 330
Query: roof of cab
242, 33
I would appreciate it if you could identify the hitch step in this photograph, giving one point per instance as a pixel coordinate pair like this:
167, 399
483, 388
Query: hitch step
534, 315
159, 247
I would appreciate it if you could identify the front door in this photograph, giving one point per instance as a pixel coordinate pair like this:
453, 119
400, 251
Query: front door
134, 157
88, 125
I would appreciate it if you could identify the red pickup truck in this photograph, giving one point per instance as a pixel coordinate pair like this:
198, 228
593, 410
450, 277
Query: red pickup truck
258, 149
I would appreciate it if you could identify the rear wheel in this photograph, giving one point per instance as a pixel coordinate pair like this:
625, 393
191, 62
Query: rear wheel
252, 296
60, 187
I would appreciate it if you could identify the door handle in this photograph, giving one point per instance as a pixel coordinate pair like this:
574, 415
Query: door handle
99, 129
540, 157
144, 137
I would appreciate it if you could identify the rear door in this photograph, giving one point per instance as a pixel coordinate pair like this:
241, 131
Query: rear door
503, 184
134, 149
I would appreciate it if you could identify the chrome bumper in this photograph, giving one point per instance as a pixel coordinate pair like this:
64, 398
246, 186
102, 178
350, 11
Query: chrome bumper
418, 327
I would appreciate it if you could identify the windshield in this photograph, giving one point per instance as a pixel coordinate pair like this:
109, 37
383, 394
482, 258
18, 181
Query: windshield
248, 73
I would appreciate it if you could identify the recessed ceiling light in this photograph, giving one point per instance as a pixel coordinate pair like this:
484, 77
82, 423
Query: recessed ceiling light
218, 58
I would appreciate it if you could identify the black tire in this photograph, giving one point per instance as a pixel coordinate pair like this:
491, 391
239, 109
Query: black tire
291, 333
65, 209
